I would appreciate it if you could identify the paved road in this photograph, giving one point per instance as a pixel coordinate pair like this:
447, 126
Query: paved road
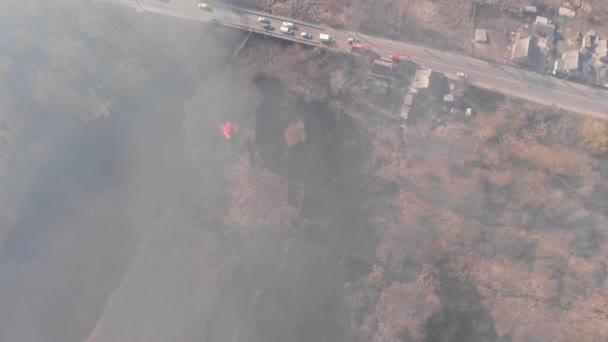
508, 80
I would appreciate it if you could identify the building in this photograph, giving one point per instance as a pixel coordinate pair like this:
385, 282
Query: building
407, 106
422, 79
523, 51
566, 12
382, 68
481, 36
429, 83
570, 64
589, 40
543, 27
602, 50
529, 10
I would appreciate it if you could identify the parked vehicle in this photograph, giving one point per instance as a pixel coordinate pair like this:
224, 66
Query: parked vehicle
263, 20
306, 35
399, 57
268, 27
289, 24
461, 75
286, 30
325, 38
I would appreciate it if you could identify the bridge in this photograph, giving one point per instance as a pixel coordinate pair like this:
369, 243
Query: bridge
508, 80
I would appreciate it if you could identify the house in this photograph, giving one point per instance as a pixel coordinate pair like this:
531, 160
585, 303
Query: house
566, 12
543, 27
382, 68
481, 36
523, 51
602, 50
570, 64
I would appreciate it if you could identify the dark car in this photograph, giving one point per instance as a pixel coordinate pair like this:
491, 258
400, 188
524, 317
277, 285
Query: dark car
268, 27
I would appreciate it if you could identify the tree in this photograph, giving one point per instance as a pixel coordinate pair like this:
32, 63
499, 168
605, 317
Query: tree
595, 136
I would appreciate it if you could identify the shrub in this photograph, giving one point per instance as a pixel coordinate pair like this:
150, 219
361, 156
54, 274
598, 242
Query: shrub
595, 136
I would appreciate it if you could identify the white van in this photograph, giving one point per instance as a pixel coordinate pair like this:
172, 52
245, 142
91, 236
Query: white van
325, 38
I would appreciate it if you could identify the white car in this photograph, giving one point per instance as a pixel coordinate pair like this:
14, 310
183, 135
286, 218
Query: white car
262, 20
306, 35
461, 75
204, 6
286, 30
289, 24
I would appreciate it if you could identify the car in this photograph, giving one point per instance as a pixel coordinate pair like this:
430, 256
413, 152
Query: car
461, 74
286, 30
351, 41
268, 27
263, 20
204, 6
306, 35
289, 25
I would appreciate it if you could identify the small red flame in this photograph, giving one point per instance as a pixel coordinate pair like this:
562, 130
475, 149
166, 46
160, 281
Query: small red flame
228, 129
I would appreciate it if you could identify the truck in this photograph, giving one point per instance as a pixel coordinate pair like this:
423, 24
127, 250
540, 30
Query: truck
399, 57
361, 47
325, 38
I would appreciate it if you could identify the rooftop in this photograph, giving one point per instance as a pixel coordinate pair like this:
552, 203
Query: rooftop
382, 67
422, 79
481, 36
542, 26
571, 60
602, 48
569, 63
521, 48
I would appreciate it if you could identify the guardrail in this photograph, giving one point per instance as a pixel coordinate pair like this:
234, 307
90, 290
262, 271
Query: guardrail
266, 32
270, 15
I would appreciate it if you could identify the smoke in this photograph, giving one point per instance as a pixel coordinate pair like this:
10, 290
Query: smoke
92, 156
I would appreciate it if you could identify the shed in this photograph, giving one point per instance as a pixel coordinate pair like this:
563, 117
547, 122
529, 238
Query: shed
481, 36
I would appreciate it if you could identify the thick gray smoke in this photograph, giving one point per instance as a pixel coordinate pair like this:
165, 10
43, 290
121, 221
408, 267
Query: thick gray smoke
93, 157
